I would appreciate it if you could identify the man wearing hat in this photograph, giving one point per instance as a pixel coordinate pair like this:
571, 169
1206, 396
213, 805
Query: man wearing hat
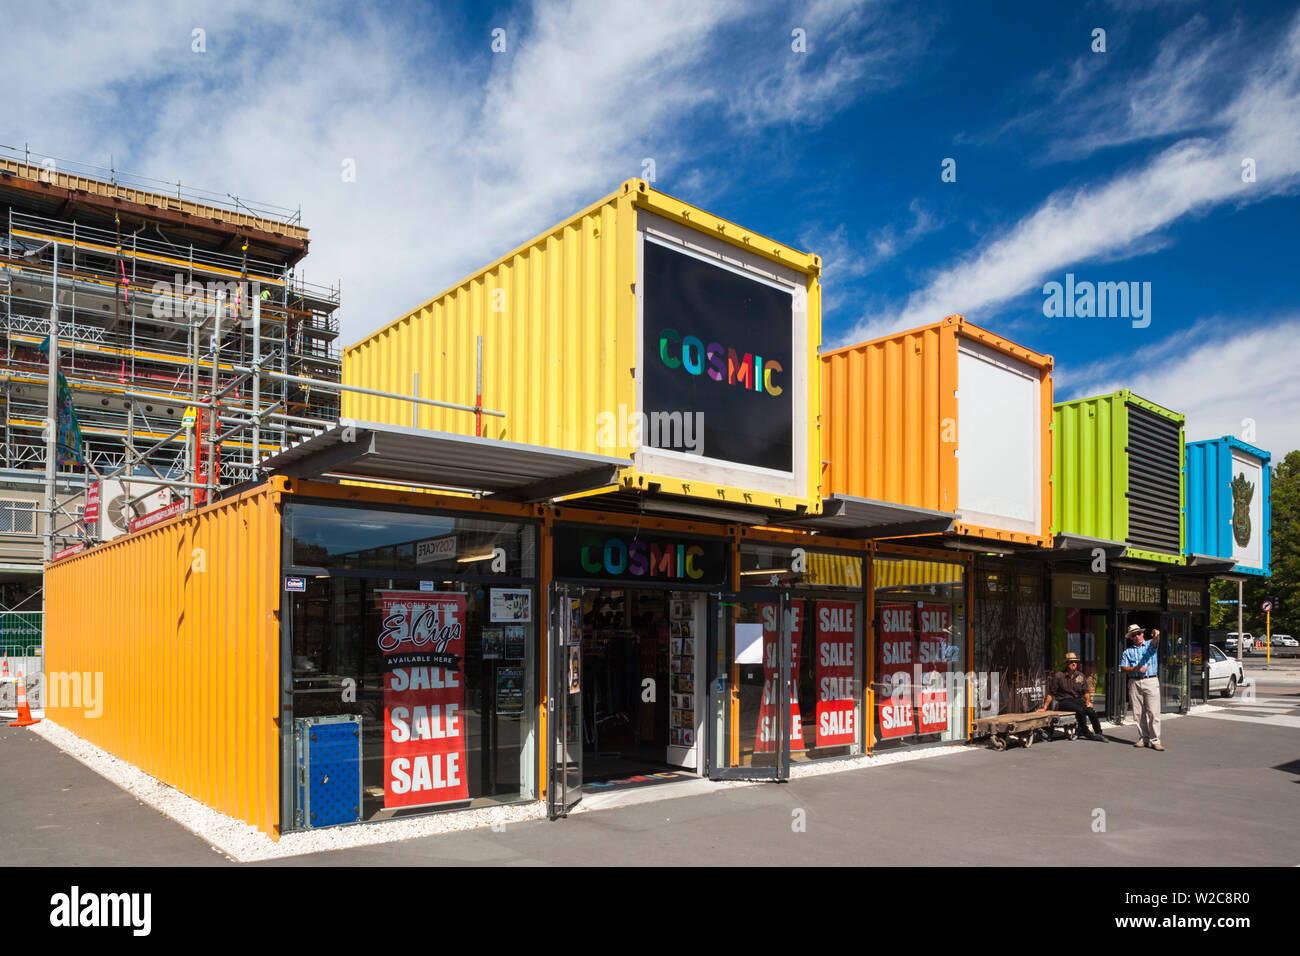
1142, 665
1069, 688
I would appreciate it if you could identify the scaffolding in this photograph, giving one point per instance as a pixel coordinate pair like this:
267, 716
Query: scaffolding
190, 342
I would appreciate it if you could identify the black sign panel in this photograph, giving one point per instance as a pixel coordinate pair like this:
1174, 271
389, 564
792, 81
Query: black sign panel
636, 560
718, 369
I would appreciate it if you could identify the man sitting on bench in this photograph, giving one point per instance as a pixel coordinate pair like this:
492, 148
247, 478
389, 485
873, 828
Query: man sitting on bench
1069, 688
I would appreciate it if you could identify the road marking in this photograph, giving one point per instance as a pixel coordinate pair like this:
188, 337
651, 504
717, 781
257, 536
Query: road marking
1276, 720
1270, 708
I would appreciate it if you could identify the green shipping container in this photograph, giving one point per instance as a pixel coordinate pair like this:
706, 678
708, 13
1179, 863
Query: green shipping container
1119, 473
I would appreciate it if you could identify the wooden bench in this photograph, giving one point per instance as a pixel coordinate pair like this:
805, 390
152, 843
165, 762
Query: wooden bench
1001, 730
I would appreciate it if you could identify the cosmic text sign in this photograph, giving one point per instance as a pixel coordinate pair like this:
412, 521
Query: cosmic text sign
718, 345
621, 554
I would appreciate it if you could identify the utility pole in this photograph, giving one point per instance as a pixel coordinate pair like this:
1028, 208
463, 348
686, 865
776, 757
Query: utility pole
1241, 636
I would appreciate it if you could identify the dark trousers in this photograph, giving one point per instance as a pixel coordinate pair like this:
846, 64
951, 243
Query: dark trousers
1083, 713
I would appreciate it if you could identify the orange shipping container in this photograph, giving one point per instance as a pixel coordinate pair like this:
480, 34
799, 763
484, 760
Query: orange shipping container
163, 648
948, 416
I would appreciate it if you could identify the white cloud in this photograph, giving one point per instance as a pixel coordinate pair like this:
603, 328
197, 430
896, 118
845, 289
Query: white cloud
461, 154
1103, 220
1217, 374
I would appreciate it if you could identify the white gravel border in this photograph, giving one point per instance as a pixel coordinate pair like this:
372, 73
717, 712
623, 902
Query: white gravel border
242, 842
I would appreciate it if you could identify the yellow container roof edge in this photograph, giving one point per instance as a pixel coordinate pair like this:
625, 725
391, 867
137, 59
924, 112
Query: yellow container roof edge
964, 327
631, 479
688, 214
642, 194
274, 486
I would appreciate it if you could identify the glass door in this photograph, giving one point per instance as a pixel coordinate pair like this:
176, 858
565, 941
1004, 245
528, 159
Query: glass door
1198, 661
1174, 646
751, 686
564, 701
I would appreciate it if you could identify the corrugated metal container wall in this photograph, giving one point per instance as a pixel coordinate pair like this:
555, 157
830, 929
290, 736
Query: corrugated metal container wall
1119, 473
883, 404
948, 416
1209, 525
559, 324
1229, 513
1091, 467
558, 341
181, 622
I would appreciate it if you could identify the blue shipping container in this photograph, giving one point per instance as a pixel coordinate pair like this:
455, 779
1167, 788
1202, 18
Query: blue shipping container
1228, 505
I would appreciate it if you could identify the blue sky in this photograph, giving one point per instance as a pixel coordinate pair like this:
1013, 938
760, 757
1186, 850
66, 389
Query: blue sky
1123, 165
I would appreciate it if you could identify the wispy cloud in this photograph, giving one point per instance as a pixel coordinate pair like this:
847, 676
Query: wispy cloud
847, 258
1219, 373
1095, 103
460, 152
1085, 223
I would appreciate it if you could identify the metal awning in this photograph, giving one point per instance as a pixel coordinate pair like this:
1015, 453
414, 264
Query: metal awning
1072, 547
1210, 563
429, 459
849, 517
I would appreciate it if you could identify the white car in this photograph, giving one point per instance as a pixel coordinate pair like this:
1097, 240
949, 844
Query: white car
1285, 640
1231, 643
1224, 673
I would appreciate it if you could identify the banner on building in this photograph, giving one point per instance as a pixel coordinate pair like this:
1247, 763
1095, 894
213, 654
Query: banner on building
422, 644
935, 652
836, 707
769, 710
895, 716
68, 438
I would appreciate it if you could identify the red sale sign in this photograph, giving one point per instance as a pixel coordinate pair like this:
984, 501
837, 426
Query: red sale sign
935, 651
836, 709
895, 716
769, 709
422, 641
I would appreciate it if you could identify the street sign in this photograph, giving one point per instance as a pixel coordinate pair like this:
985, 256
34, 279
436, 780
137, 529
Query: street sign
1268, 606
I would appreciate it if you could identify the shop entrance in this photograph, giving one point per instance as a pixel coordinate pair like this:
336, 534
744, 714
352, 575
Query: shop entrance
624, 687
753, 708
1119, 702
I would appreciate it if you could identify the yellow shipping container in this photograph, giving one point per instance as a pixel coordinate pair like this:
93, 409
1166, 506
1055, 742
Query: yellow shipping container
641, 327
163, 648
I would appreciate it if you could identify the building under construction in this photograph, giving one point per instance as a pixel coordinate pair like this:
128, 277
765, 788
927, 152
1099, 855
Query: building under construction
188, 340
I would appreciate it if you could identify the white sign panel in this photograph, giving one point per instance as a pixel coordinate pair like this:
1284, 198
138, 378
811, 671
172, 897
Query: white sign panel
999, 440
1247, 495
749, 643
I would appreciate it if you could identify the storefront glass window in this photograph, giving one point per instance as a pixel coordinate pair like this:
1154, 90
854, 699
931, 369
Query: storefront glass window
826, 708
1084, 632
417, 689
372, 539
920, 682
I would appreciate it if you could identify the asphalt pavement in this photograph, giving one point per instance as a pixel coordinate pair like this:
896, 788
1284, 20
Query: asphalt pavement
1221, 794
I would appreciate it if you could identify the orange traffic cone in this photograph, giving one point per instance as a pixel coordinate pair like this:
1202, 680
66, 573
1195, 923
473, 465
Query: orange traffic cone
24, 712
4, 670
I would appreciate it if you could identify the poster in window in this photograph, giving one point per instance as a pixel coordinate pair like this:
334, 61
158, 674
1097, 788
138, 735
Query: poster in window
894, 705
507, 605
515, 643
769, 708
836, 662
422, 644
935, 650
510, 691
